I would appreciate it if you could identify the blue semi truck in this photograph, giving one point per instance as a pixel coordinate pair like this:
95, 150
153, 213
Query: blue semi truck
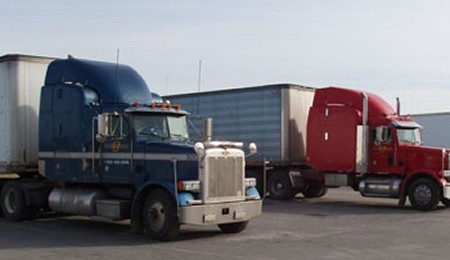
108, 149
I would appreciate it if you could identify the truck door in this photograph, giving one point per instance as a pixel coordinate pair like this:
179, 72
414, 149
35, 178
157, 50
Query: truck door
116, 152
383, 151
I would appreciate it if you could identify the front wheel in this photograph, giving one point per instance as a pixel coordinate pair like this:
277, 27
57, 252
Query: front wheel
424, 194
13, 202
232, 228
160, 216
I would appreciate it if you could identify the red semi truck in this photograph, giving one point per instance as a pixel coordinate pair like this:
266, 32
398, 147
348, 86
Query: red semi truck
346, 138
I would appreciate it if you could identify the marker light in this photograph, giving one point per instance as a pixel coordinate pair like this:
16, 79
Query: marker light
136, 104
193, 186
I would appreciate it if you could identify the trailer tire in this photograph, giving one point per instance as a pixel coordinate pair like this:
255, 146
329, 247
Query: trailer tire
160, 216
232, 228
314, 189
13, 202
280, 186
424, 194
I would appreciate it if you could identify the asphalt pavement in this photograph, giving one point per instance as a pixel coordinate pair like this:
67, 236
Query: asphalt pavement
341, 225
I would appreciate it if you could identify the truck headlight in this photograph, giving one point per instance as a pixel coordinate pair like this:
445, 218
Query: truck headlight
193, 186
199, 149
250, 182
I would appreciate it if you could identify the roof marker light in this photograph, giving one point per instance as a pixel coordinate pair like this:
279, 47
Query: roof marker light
136, 104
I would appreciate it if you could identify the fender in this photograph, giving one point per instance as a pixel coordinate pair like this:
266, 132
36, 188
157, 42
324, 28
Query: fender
139, 198
411, 176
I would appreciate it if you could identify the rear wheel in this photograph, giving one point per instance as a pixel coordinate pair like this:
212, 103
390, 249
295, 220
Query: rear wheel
424, 194
13, 202
160, 216
280, 186
233, 227
314, 189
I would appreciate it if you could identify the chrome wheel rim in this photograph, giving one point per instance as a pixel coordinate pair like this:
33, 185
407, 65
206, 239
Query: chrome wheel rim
11, 201
157, 216
423, 194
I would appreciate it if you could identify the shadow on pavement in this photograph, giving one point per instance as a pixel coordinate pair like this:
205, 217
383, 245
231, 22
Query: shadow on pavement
57, 231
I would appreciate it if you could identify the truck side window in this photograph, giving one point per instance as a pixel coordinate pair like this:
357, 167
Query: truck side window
382, 135
118, 127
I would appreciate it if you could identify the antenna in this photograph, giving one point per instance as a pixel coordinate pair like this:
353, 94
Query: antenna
199, 84
199, 75
117, 70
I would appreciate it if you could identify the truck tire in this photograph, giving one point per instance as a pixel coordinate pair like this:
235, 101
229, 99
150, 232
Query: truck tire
280, 186
314, 189
232, 228
159, 216
1, 185
13, 202
424, 194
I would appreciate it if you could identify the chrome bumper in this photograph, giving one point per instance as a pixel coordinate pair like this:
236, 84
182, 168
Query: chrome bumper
220, 213
446, 190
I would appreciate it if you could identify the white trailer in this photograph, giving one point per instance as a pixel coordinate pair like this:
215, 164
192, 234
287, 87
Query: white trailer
21, 78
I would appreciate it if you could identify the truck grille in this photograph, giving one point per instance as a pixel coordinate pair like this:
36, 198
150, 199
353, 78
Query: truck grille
225, 179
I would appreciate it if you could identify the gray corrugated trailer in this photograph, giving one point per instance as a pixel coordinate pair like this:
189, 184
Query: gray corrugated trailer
266, 115
21, 78
272, 116
435, 128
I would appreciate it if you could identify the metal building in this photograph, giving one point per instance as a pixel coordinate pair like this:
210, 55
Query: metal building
436, 127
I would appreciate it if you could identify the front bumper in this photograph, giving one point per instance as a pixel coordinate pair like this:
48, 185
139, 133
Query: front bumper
446, 190
220, 213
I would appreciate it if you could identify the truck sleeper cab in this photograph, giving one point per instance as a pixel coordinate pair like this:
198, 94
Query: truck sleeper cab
107, 151
356, 139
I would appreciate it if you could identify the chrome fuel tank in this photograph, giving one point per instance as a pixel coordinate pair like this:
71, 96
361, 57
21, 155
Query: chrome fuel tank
75, 201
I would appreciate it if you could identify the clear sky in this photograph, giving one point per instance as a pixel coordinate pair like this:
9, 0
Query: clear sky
388, 47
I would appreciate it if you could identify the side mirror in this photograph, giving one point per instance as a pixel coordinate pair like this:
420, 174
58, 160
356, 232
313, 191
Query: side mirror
102, 128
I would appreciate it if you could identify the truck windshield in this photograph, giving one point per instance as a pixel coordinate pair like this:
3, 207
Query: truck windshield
409, 135
151, 127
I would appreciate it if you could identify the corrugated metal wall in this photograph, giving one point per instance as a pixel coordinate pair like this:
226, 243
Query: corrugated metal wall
436, 128
244, 115
3, 81
273, 116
